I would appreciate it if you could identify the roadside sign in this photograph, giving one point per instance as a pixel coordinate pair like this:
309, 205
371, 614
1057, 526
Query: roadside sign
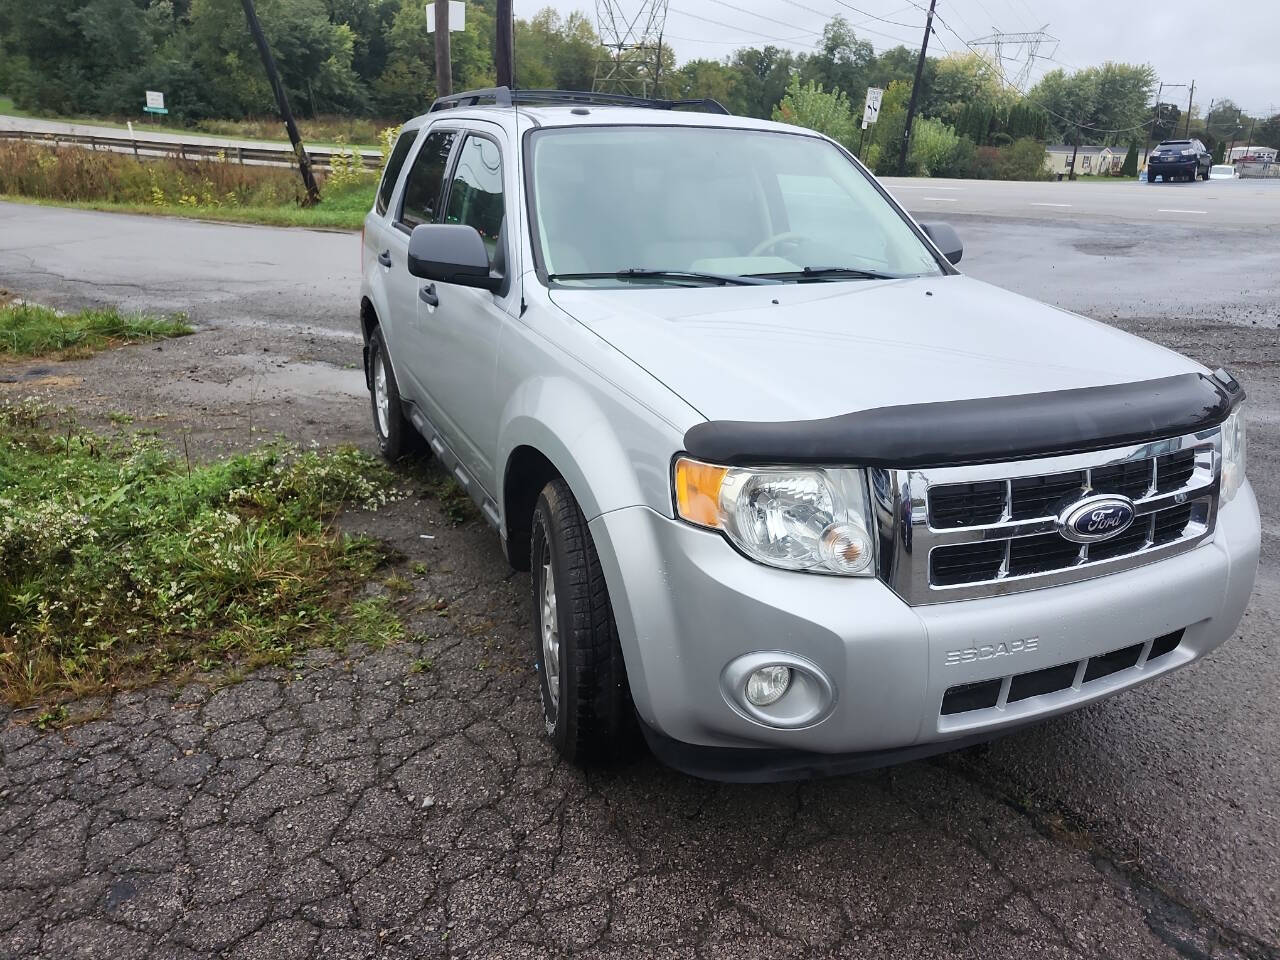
155, 102
872, 110
457, 16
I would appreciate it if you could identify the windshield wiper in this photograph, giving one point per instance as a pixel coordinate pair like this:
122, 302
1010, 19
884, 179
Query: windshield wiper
823, 273
642, 273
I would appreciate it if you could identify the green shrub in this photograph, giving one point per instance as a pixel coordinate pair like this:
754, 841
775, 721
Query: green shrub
808, 105
120, 562
933, 148
1023, 160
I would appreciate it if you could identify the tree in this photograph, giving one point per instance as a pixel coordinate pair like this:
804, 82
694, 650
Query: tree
764, 76
842, 61
1267, 132
807, 105
1130, 166
963, 81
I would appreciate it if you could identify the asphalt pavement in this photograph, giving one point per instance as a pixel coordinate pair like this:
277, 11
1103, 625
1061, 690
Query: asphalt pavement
355, 808
1201, 204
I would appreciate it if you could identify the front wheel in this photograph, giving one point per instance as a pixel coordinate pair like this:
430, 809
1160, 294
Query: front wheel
582, 680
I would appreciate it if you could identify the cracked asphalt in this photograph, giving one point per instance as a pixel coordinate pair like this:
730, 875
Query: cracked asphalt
402, 802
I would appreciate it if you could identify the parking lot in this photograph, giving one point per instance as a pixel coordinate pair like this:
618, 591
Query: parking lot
352, 807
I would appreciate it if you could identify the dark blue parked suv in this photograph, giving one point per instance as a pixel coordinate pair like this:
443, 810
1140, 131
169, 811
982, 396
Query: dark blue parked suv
1178, 160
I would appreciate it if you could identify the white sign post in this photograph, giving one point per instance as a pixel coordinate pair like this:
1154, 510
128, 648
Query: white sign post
869, 113
155, 102
872, 110
457, 16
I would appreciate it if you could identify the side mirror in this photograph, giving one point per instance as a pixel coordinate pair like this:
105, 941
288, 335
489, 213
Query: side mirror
944, 237
451, 253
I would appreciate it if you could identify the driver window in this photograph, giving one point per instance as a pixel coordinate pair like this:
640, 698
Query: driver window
475, 196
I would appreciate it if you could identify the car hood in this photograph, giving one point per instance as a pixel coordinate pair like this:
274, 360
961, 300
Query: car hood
806, 351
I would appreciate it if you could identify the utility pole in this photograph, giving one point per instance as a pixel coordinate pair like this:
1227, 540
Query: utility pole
444, 66
915, 89
505, 51
1071, 174
1249, 146
273, 75
1190, 100
1155, 121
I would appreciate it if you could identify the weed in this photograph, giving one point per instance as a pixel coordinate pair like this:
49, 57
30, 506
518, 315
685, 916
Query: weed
28, 330
121, 563
209, 189
419, 569
398, 585
51, 719
120, 418
422, 665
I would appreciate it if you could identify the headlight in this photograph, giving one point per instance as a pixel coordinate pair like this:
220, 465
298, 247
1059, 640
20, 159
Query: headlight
1234, 449
814, 520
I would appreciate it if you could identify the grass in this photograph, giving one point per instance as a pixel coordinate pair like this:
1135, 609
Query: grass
121, 563
27, 330
210, 190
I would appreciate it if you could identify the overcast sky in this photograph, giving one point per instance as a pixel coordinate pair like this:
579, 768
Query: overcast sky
1230, 50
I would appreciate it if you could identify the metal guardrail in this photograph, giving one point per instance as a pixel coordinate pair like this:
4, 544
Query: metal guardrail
282, 156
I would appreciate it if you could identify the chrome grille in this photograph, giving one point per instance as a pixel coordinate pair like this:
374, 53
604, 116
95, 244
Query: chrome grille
959, 532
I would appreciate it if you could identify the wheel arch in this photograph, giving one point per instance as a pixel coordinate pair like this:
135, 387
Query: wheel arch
554, 428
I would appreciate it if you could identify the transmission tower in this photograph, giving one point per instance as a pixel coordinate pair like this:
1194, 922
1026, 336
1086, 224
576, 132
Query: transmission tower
1024, 45
631, 34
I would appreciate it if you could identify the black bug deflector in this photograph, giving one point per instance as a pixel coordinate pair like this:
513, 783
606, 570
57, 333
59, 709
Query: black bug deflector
960, 432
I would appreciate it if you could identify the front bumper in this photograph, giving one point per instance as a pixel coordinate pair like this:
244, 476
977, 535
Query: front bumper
687, 604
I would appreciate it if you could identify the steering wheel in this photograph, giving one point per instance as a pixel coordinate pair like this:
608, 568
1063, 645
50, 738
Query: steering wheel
766, 245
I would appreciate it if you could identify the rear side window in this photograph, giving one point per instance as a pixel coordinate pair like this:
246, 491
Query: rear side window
392, 173
422, 189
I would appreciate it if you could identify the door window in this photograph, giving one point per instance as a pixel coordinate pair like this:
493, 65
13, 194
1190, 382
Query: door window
391, 174
422, 188
475, 196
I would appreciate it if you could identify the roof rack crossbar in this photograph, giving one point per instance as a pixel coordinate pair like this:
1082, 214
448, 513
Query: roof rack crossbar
505, 97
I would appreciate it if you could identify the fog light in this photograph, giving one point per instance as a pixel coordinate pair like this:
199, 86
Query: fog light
768, 684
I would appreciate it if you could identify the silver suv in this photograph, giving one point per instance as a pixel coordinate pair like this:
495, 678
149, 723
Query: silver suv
797, 496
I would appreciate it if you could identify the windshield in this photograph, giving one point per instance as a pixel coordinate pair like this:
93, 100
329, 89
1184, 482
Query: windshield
684, 206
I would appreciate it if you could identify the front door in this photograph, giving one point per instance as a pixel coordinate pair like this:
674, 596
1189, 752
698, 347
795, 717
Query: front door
420, 203
461, 325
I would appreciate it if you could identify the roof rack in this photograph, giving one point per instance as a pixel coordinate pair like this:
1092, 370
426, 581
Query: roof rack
506, 97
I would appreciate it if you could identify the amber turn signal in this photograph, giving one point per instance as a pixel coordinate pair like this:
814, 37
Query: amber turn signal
698, 491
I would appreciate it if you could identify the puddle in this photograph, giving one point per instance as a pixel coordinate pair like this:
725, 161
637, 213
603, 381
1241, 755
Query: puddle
264, 377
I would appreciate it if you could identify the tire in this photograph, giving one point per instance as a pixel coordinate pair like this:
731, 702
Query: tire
582, 680
397, 437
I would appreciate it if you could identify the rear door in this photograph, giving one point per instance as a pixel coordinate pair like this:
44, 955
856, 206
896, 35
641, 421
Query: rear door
461, 329
376, 225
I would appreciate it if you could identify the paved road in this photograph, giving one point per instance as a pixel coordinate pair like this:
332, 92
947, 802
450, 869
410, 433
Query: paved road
1204, 205
354, 808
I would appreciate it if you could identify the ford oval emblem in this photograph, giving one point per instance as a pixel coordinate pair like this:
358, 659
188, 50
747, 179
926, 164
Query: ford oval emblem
1096, 518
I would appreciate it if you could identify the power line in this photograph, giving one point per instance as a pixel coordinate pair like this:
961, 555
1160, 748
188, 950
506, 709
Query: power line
828, 17
730, 26
876, 17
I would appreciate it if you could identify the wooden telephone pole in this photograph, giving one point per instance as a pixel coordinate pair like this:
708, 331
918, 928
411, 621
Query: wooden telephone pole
915, 90
506, 66
282, 99
444, 65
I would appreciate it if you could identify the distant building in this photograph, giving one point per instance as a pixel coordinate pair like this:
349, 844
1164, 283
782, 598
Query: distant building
1089, 160
1253, 154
